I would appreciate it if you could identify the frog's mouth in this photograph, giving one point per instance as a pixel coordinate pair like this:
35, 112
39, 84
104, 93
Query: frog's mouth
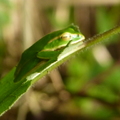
81, 39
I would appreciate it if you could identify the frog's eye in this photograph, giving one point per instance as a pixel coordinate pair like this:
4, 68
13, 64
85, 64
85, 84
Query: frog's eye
66, 36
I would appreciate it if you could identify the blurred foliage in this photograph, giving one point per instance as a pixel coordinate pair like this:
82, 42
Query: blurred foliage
98, 86
91, 87
5, 7
67, 14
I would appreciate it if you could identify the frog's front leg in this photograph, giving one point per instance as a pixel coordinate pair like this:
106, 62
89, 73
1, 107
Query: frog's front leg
48, 54
51, 54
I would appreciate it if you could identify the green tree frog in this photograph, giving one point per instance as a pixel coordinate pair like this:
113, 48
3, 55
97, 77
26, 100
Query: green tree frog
48, 47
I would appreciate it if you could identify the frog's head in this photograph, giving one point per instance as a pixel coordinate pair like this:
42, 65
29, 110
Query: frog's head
63, 37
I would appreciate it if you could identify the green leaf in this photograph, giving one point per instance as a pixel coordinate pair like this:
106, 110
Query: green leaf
10, 92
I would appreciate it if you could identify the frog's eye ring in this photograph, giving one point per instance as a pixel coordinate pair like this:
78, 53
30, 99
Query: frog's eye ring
66, 36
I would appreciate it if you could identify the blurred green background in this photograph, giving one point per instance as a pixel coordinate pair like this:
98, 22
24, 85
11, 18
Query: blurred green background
86, 87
